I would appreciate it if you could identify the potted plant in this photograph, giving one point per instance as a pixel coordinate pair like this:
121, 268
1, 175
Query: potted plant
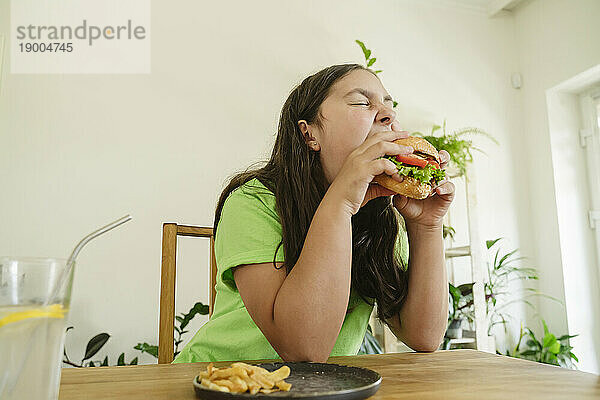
550, 350
502, 269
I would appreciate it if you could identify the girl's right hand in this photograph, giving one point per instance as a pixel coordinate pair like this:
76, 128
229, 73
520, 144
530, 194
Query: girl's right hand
353, 181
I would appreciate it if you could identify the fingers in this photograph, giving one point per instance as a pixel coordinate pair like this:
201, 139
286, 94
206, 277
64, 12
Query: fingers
444, 187
384, 166
434, 187
399, 201
395, 134
444, 158
381, 149
380, 144
375, 191
388, 136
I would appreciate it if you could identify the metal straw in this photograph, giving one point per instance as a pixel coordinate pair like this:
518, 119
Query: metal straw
71, 261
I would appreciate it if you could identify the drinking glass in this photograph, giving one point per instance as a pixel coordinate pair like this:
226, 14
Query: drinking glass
32, 326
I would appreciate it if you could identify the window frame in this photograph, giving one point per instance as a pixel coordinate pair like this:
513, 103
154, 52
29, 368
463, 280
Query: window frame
589, 102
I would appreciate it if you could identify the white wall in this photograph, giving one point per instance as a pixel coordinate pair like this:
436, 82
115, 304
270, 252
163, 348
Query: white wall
77, 151
556, 41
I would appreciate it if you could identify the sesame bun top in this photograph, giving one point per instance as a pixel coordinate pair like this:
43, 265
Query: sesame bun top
420, 145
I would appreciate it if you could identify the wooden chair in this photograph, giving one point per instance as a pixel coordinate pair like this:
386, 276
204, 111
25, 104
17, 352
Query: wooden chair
167, 282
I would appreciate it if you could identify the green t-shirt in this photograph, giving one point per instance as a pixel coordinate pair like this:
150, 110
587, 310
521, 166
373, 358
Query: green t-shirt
249, 232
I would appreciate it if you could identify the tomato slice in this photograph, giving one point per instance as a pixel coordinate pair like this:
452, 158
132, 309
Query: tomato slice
434, 163
412, 161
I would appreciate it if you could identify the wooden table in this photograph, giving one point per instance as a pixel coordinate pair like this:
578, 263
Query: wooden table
454, 374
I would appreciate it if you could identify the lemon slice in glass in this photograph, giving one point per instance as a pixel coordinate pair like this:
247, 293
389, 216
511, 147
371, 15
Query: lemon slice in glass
51, 311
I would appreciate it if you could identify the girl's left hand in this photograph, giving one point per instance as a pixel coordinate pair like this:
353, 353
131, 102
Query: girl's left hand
430, 211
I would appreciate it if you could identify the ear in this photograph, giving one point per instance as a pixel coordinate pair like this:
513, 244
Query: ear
309, 139
303, 125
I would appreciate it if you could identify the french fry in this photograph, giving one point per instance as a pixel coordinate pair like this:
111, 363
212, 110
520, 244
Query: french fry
284, 386
249, 368
222, 373
263, 379
226, 383
204, 375
214, 386
240, 385
240, 377
280, 374
253, 386
209, 370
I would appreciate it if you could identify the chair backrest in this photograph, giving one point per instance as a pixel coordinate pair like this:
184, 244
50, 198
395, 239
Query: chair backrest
167, 282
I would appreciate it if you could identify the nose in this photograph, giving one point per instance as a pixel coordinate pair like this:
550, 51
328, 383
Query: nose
386, 116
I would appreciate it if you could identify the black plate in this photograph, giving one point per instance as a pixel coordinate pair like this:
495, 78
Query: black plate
310, 381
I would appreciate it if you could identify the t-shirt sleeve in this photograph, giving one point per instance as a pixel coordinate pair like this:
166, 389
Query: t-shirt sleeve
402, 249
249, 232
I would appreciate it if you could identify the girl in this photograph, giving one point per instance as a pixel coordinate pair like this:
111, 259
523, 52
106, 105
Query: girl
307, 244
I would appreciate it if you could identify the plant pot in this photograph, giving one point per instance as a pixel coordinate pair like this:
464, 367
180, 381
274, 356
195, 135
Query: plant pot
454, 330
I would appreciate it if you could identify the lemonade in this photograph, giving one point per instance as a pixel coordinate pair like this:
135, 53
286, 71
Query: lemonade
31, 347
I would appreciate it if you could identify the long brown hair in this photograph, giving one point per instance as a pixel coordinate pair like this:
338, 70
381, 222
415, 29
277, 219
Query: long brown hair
295, 176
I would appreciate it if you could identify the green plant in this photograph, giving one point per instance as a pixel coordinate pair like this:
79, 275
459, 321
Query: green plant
93, 347
183, 320
501, 272
97, 342
448, 231
551, 350
460, 299
369, 61
503, 269
151, 349
370, 345
456, 144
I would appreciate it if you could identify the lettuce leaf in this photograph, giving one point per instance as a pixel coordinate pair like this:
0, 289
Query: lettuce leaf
423, 175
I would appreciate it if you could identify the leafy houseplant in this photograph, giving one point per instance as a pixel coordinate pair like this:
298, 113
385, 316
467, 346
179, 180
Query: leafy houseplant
97, 342
500, 273
183, 320
459, 301
92, 348
550, 350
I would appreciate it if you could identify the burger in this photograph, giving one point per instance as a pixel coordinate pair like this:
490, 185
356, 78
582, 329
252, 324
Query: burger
421, 169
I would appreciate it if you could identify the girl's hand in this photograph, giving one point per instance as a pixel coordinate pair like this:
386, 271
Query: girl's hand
428, 212
363, 164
